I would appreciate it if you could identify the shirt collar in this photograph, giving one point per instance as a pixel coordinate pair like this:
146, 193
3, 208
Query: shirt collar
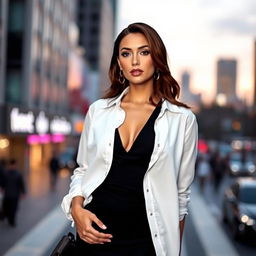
165, 103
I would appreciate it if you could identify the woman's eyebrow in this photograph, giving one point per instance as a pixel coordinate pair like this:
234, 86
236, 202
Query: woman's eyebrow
129, 49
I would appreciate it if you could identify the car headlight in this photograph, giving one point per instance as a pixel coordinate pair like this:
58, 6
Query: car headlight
247, 220
234, 167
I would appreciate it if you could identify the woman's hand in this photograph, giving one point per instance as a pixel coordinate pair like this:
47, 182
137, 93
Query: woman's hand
83, 220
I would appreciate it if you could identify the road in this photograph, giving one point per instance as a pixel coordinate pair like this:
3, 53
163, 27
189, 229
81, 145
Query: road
214, 200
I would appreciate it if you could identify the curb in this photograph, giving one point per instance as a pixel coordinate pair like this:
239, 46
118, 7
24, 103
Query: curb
211, 235
43, 236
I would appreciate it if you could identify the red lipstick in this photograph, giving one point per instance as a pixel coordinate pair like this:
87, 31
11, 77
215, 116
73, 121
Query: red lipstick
136, 72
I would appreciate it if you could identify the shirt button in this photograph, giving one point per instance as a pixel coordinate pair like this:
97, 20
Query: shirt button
155, 235
109, 143
151, 214
147, 190
158, 144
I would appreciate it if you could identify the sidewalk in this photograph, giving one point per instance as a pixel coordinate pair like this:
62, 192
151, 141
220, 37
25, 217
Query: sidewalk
213, 240
39, 201
202, 237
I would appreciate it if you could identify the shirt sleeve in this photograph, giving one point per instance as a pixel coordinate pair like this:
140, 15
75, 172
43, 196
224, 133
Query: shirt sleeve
77, 177
187, 166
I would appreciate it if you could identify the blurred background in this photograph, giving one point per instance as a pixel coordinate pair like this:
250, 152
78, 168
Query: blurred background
54, 60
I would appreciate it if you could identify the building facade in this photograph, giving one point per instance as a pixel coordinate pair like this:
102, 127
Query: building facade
226, 80
3, 28
36, 120
96, 22
254, 74
187, 96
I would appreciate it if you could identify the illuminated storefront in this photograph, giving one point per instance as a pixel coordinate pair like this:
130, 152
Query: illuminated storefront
32, 136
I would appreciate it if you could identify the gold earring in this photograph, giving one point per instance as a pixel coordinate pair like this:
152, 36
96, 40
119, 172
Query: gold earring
156, 75
121, 77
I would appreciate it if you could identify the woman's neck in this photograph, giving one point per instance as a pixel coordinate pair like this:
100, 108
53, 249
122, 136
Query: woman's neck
139, 94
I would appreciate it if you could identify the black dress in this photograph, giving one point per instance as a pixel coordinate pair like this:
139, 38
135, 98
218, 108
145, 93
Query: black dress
119, 201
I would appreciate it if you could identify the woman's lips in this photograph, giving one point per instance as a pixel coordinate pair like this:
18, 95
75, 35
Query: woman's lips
136, 72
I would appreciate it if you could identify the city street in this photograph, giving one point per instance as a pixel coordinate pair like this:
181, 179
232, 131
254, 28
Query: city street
214, 202
37, 204
100, 70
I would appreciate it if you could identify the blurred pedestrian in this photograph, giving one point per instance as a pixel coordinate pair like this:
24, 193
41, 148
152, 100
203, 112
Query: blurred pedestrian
2, 170
217, 167
203, 171
14, 190
225, 165
54, 167
136, 156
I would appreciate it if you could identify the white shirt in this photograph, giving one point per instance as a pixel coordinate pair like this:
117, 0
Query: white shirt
166, 183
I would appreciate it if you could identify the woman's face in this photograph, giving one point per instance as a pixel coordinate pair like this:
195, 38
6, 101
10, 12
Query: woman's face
135, 59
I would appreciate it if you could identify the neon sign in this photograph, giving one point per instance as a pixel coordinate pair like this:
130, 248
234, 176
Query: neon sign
40, 123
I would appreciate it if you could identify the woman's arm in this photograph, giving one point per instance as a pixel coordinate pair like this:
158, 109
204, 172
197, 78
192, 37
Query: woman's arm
187, 164
83, 221
182, 224
78, 174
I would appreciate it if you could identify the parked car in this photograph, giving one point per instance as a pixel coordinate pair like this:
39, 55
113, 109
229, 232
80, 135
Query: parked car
239, 207
242, 167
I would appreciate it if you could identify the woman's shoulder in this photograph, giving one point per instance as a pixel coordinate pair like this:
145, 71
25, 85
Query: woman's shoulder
179, 109
100, 104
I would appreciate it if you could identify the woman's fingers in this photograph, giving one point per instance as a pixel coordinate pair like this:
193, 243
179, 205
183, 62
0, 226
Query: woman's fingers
91, 235
101, 236
98, 222
94, 237
85, 230
101, 225
89, 240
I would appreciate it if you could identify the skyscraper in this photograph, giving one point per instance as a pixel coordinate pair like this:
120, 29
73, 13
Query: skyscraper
186, 95
36, 117
226, 80
96, 21
254, 73
3, 28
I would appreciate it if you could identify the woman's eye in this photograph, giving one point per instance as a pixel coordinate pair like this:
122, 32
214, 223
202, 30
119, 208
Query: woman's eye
145, 52
125, 54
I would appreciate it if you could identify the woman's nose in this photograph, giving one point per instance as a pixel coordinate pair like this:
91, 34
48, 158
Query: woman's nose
135, 60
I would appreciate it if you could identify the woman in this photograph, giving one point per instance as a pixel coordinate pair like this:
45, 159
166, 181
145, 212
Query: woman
136, 156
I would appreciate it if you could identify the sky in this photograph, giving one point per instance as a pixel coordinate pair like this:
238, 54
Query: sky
196, 34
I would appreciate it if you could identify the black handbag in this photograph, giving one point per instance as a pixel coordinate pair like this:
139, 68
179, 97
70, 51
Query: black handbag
66, 246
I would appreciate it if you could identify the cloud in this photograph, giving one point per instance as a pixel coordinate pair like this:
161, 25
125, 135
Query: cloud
238, 17
239, 25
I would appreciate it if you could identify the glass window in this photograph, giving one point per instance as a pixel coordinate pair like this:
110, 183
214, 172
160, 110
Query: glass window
95, 4
95, 16
46, 54
16, 16
36, 47
248, 195
46, 92
94, 30
13, 87
35, 88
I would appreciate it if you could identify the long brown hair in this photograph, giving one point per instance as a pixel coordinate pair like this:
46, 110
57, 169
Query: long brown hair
166, 86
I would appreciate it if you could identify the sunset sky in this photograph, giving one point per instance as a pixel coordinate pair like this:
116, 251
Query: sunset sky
199, 32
